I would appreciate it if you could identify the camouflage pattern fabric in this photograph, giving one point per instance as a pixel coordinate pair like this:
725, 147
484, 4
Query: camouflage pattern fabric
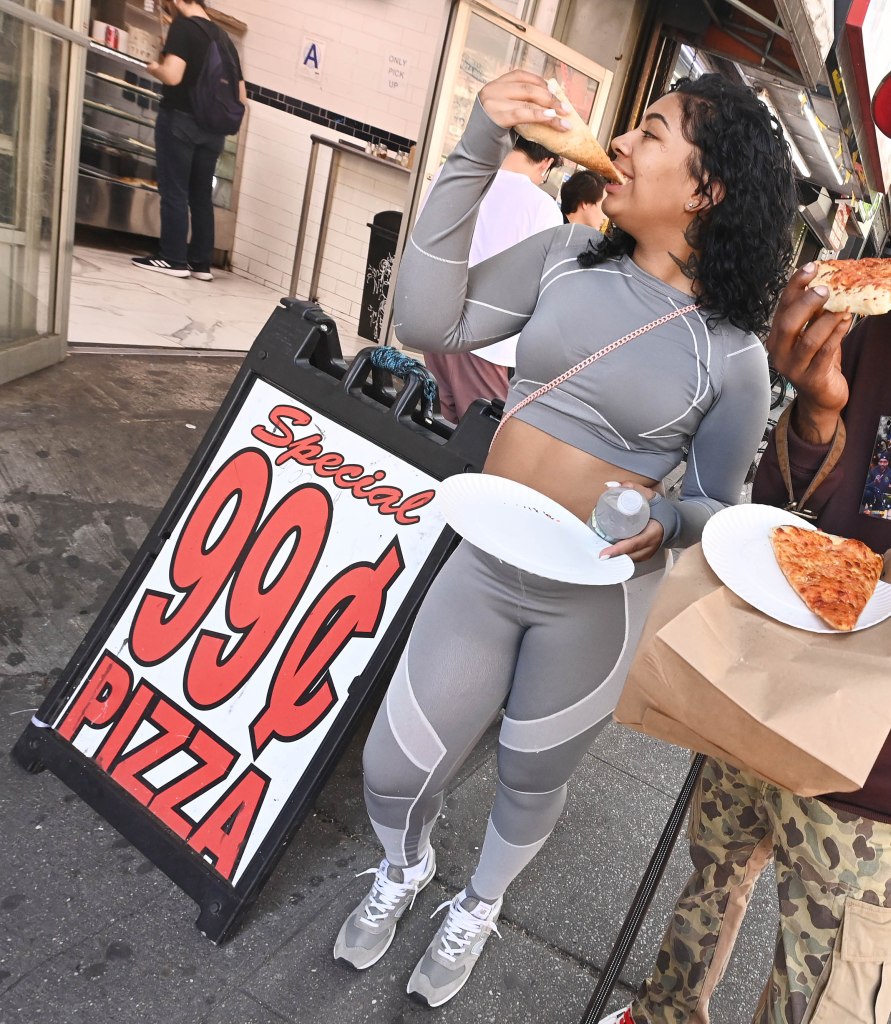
832, 962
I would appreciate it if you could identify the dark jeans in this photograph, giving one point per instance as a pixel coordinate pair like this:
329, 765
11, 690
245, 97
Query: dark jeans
186, 157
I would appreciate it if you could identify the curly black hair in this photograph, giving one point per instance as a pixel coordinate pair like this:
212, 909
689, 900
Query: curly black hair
742, 245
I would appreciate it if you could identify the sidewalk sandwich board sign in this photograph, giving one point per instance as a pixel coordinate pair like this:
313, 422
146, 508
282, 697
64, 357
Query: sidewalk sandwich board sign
219, 685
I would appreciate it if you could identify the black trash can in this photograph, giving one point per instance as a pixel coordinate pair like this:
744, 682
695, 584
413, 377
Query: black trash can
381, 250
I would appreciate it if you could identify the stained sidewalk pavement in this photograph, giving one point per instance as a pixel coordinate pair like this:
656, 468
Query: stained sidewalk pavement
91, 931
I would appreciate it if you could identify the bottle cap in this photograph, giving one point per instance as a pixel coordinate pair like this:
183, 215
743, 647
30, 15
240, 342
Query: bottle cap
630, 502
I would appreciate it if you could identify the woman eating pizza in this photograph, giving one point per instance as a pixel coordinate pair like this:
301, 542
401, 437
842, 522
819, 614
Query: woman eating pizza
683, 284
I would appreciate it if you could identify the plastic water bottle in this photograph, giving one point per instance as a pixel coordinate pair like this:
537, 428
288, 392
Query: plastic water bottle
621, 512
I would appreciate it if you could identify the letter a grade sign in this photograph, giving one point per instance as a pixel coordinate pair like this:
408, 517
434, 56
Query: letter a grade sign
214, 694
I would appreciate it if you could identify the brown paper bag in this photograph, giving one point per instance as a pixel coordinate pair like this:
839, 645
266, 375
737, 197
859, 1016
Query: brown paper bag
807, 711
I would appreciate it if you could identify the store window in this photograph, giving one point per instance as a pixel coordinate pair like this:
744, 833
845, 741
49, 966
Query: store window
31, 112
58, 10
482, 47
39, 59
522, 9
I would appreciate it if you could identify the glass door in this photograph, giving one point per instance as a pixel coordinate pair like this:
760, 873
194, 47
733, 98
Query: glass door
483, 39
41, 72
486, 42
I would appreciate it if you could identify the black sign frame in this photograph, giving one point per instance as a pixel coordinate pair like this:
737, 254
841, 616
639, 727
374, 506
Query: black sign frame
298, 352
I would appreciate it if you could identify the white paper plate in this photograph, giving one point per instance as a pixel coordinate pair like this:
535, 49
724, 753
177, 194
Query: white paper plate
524, 528
736, 544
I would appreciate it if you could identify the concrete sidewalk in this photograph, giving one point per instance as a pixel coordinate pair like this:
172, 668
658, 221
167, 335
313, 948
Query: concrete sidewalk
92, 932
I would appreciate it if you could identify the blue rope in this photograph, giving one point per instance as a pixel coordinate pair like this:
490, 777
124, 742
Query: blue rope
387, 358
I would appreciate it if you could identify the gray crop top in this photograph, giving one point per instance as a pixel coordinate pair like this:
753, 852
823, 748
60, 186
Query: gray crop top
681, 384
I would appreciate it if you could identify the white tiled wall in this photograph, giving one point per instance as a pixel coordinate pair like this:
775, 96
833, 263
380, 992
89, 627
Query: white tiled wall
358, 36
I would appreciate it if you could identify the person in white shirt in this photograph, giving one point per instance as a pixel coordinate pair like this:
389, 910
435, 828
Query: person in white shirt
514, 208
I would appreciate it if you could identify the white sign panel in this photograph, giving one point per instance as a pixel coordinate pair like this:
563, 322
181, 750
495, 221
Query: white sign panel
312, 58
227, 669
396, 73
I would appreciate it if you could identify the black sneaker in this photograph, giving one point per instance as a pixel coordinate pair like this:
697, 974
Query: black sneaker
200, 271
161, 266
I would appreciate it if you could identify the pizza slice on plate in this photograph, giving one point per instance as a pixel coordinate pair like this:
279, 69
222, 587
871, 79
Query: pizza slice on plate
578, 144
855, 286
834, 576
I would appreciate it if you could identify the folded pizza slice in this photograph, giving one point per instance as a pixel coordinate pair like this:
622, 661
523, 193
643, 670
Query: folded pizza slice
578, 144
855, 286
834, 576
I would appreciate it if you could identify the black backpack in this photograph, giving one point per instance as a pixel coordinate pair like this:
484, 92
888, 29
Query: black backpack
216, 105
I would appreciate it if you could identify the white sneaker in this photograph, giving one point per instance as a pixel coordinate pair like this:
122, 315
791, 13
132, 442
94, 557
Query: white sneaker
445, 968
622, 1016
369, 930
160, 266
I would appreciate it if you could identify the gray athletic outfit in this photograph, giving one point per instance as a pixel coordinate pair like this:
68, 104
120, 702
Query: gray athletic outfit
489, 635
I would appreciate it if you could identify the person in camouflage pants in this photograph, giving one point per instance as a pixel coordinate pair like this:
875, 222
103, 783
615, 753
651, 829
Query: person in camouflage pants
832, 854
833, 874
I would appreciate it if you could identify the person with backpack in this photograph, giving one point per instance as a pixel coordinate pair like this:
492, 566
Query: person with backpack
203, 101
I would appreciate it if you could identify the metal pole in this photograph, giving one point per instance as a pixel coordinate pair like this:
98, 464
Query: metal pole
323, 225
304, 218
643, 897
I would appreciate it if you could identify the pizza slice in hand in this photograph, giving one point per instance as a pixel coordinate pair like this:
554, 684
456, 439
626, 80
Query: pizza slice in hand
834, 576
578, 144
855, 286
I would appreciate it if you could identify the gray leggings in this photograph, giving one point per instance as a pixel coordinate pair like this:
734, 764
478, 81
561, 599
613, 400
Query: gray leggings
489, 635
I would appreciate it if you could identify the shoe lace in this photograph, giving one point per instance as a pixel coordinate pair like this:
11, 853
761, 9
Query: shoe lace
386, 894
460, 929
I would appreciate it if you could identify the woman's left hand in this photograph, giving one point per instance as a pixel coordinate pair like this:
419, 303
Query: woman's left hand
643, 545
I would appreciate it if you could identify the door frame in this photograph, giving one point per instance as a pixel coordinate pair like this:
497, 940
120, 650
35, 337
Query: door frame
34, 353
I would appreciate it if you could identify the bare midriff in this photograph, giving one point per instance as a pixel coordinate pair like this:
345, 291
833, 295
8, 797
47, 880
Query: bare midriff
566, 474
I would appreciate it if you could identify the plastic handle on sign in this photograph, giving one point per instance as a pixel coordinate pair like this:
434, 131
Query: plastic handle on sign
364, 378
387, 358
383, 364
321, 346
408, 399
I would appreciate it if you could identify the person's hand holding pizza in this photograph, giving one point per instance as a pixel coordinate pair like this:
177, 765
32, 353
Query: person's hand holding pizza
520, 97
540, 111
804, 345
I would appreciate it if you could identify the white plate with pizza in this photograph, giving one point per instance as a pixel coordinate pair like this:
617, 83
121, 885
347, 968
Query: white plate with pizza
737, 545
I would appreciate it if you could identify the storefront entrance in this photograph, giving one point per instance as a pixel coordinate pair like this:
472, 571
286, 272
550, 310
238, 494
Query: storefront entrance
41, 71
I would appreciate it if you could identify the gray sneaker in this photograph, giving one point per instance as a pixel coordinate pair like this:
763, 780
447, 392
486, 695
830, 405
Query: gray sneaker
445, 968
367, 933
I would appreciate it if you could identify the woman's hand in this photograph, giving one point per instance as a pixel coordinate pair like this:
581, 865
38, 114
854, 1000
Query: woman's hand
643, 545
804, 345
519, 97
